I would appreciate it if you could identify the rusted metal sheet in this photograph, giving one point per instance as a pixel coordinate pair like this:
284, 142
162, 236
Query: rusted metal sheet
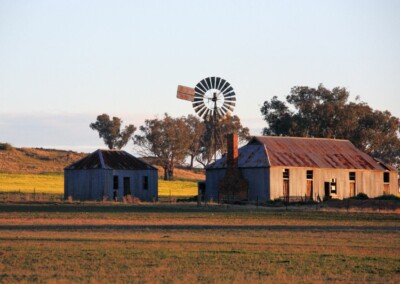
185, 93
110, 159
266, 151
316, 153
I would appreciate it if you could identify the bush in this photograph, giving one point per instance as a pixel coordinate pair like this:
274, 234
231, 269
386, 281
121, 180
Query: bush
5, 146
361, 196
388, 197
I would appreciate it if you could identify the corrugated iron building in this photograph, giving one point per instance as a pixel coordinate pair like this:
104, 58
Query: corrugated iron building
110, 175
286, 167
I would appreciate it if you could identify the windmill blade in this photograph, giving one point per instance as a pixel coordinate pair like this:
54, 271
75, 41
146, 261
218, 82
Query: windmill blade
200, 88
217, 82
231, 94
222, 85
214, 82
227, 90
201, 111
198, 99
198, 95
221, 111
205, 84
225, 87
229, 103
232, 99
227, 107
208, 80
185, 93
197, 105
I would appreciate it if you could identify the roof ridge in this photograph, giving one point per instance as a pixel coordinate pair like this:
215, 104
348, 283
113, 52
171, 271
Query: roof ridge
298, 137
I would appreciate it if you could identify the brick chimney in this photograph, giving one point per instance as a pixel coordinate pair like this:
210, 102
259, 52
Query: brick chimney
233, 187
233, 151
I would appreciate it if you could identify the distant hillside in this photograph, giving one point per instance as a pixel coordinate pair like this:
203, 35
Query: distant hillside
39, 160
36, 160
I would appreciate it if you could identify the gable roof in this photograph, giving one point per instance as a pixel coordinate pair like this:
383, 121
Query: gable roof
110, 160
303, 152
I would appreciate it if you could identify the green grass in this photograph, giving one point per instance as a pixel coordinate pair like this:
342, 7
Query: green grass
54, 183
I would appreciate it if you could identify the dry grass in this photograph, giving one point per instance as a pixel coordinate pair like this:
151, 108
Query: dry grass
35, 160
186, 244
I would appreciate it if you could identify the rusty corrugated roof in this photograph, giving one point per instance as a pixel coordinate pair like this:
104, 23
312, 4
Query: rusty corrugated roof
302, 152
111, 160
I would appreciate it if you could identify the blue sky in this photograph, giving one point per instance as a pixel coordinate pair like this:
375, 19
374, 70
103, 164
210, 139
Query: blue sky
64, 62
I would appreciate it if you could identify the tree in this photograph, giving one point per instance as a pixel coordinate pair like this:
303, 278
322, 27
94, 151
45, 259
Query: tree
166, 139
327, 113
227, 124
110, 131
196, 130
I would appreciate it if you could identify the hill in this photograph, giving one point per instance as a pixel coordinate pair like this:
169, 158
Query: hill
40, 160
36, 160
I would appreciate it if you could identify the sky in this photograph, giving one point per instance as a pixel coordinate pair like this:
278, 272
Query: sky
62, 63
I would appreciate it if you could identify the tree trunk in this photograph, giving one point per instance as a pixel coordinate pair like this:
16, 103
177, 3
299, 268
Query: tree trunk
166, 176
191, 162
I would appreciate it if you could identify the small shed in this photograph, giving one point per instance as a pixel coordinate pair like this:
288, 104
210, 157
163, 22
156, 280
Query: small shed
110, 175
308, 168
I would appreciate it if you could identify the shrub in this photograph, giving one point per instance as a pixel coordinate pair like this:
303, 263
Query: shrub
361, 196
5, 146
388, 197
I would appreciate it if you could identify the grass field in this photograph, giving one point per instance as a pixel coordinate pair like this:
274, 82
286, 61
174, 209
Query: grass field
54, 183
187, 244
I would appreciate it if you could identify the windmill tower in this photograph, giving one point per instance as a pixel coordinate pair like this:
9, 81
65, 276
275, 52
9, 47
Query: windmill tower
212, 98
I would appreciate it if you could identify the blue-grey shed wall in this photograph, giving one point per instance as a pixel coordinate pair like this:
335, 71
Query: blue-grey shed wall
97, 184
257, 178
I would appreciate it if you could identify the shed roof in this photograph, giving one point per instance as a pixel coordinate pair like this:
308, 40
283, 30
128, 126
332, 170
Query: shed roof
303, 152
110, 160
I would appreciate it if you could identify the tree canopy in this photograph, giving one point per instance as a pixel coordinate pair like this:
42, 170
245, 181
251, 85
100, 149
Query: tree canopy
227, 124
320, 112
110, 131
167, 140
171, 140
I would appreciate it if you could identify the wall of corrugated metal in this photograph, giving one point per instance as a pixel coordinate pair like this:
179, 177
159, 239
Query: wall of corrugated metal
257, 178
258, 181
136, 183
368, 182
213, 177
98, 184
84, 184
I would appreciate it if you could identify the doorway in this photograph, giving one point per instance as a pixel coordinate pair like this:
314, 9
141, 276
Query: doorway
285, 176
327, 187
127, 186
309, 188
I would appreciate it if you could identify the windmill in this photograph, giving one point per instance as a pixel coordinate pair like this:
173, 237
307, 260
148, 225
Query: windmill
212, 98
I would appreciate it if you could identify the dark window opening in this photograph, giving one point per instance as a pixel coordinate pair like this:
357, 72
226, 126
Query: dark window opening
352, 176
309, 174
386, 177
285, 174
145, 182
115, 182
